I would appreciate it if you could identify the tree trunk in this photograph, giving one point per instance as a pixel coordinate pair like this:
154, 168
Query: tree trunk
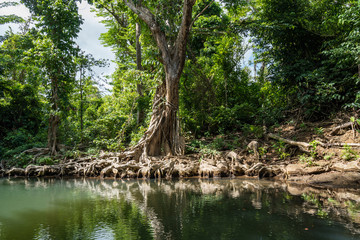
164, 125
81, 103
163, 134
52, 134
54, 119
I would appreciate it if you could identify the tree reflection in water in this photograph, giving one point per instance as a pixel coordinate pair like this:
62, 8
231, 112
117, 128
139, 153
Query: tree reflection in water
183, 209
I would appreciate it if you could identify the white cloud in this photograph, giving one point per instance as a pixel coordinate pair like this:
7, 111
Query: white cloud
88, 39
19, 10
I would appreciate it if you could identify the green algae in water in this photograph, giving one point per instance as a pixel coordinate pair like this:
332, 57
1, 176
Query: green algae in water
184, 209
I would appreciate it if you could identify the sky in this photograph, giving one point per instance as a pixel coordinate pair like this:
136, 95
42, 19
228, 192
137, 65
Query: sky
88, 38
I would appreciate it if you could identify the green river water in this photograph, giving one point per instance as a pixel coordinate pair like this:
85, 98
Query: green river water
181, 209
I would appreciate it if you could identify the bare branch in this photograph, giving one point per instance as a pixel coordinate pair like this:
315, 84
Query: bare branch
197, 16
181, 40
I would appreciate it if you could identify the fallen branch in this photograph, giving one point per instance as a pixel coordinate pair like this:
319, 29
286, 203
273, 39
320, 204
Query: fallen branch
303, 146
342, 126
356, 145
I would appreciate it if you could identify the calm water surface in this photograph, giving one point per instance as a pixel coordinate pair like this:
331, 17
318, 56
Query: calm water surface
184, 209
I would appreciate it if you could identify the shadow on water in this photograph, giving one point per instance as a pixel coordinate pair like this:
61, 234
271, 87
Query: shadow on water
183, 209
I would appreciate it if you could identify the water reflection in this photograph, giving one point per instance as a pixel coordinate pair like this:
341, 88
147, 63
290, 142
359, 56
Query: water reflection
49, 209
183, 209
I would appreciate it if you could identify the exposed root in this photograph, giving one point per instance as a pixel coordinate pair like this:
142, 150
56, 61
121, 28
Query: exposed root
253, 146
270, 171
229, 164
255, 169
152, 167
15, 172
115, 165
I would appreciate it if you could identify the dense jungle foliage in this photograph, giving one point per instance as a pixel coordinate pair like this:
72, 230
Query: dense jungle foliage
306, 65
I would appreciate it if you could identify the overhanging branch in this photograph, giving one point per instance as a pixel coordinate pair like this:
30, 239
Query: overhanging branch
197, 16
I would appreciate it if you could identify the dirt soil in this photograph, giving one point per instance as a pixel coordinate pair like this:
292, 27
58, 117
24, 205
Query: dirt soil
331, 161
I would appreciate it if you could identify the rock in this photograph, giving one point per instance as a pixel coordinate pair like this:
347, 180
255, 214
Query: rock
296, 191
303, 169
346, 196
313, 170
295, 169
352, 166
322, 163
329, 179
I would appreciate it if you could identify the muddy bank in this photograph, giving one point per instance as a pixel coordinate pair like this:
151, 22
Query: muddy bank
345, 174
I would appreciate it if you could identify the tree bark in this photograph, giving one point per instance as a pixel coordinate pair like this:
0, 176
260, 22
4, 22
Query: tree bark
164, 128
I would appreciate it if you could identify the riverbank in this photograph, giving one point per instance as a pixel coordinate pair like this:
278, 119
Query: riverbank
321, 173
323, 154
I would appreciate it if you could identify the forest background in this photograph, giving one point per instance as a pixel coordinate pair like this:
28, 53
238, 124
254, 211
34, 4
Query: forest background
307, 67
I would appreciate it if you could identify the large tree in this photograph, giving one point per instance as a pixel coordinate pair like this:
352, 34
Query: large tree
163, 134
169, 23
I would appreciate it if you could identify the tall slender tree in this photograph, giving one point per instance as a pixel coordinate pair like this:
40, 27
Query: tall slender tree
59, 23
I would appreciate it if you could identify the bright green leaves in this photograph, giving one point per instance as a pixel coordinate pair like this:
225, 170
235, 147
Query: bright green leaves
311, 51
54, 52
216, 94
167, 15
10, 19
58, 19
38, 82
